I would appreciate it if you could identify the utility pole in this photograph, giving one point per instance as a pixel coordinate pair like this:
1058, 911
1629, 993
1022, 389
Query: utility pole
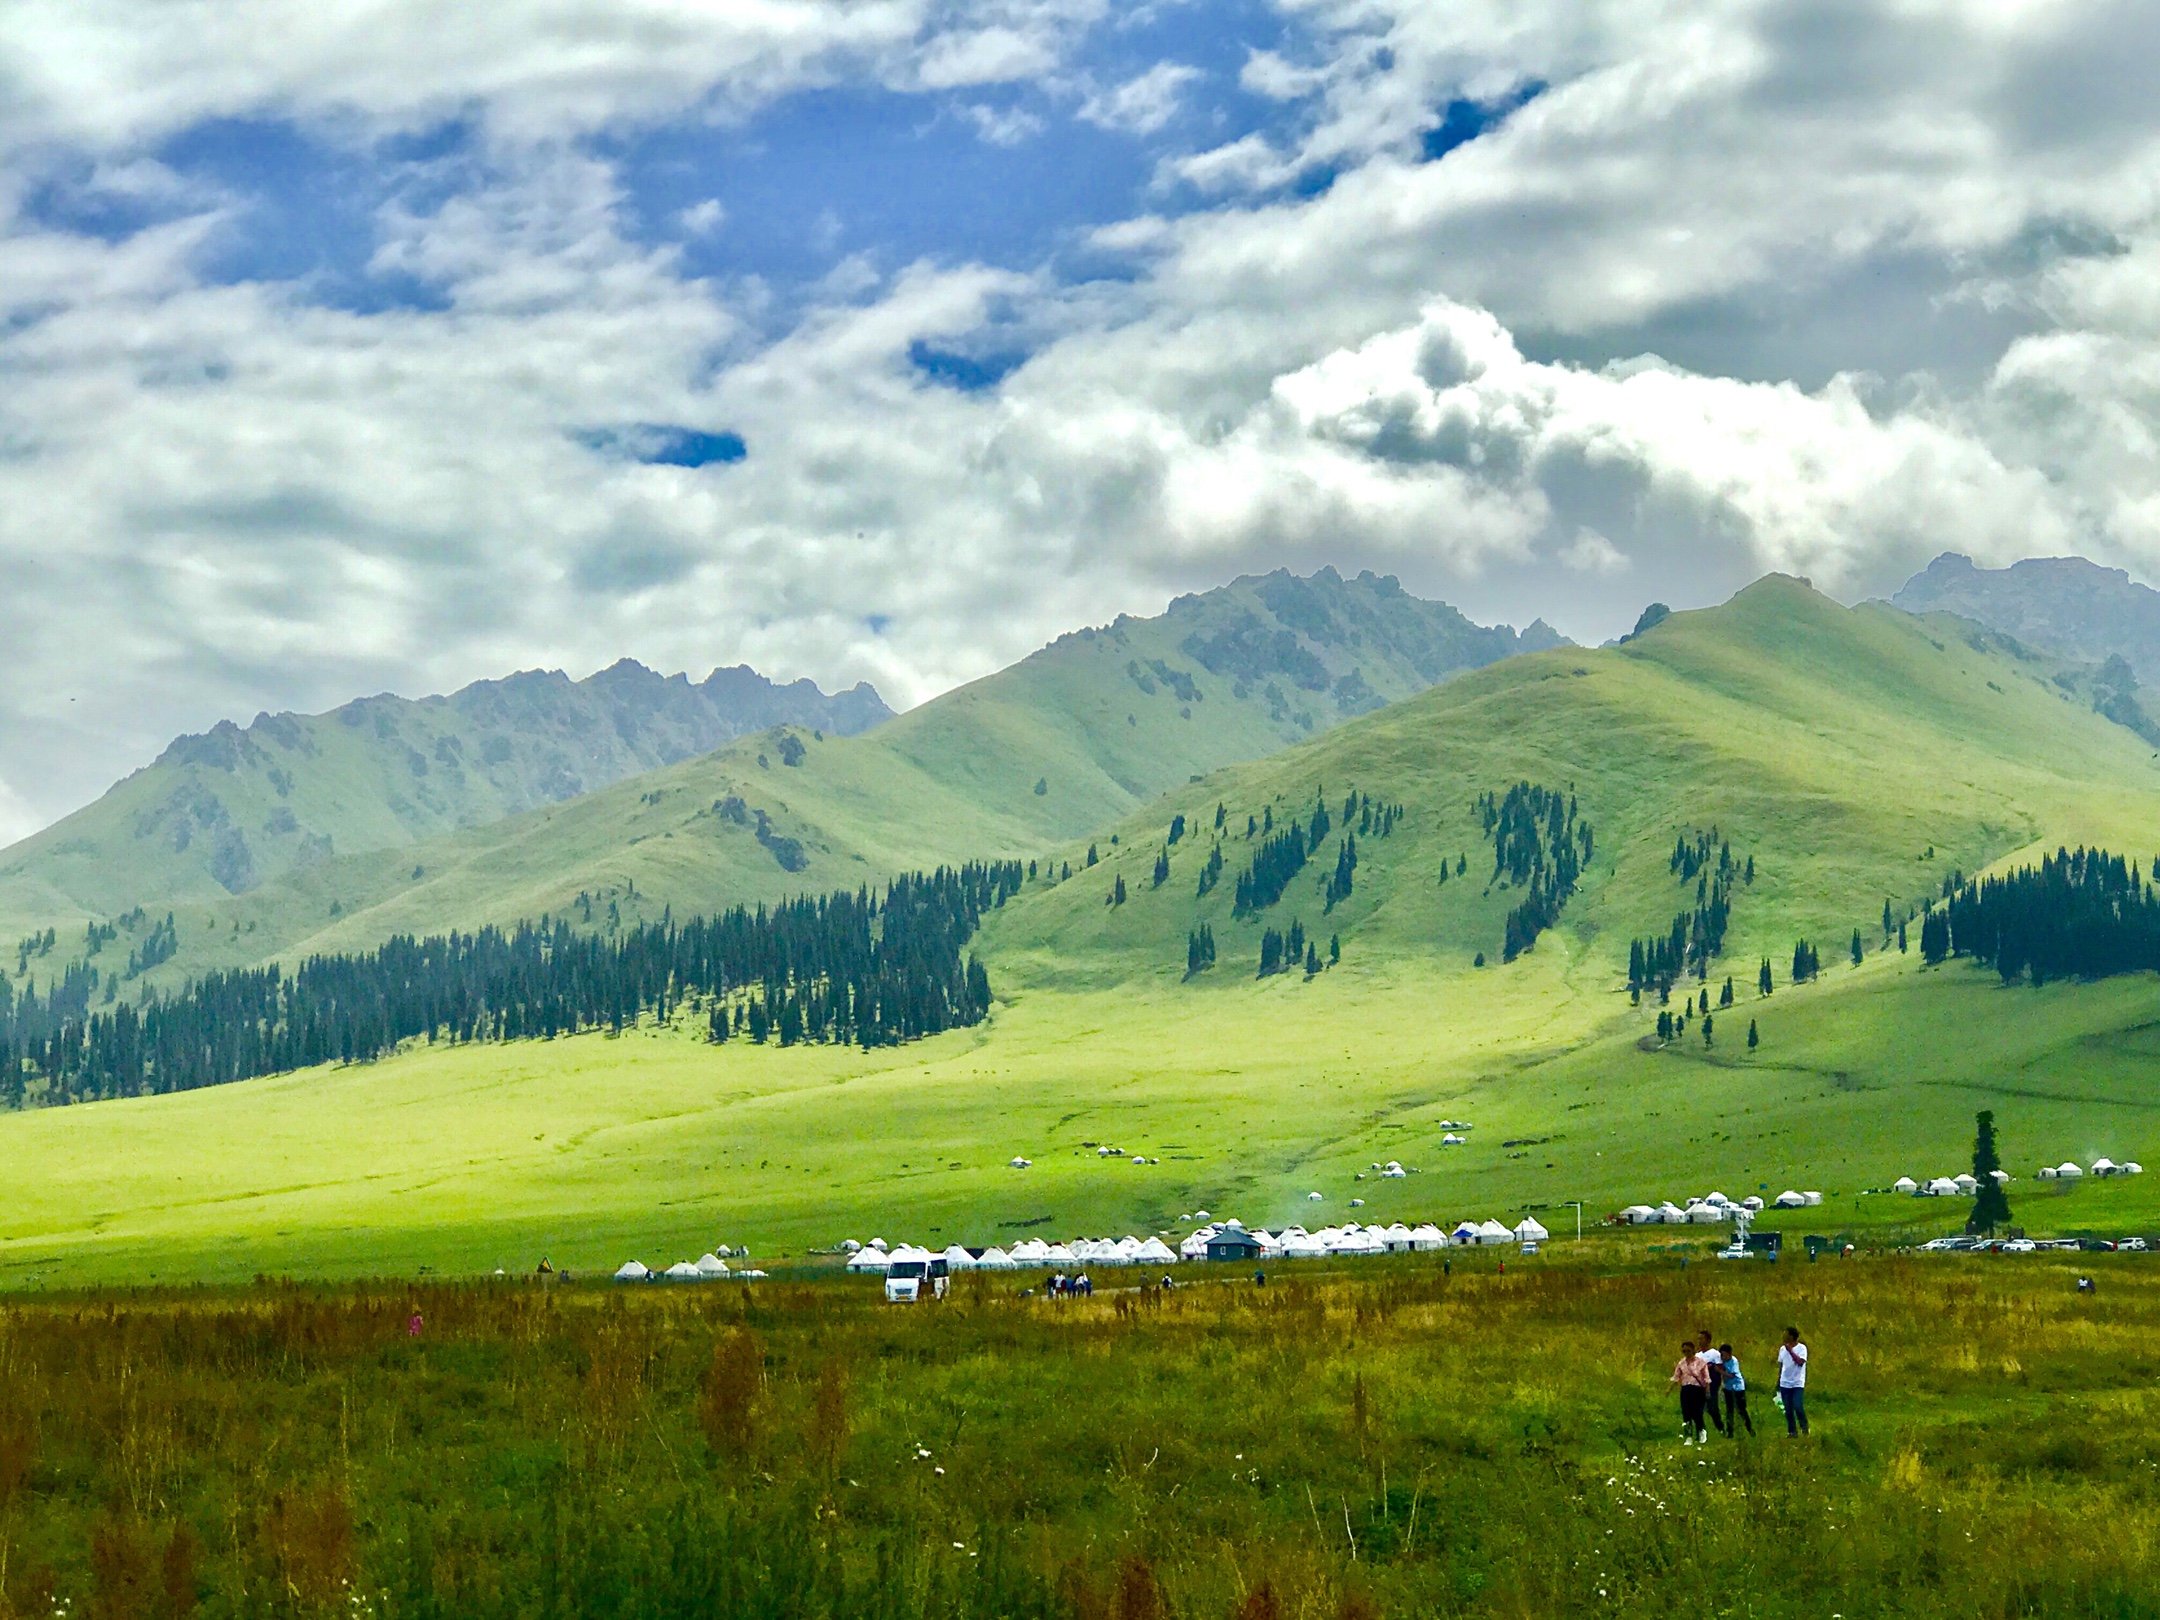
1577, 1202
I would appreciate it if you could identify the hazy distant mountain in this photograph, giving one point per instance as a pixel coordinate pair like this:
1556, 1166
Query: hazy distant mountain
233, 807
1068, 740
2065, 605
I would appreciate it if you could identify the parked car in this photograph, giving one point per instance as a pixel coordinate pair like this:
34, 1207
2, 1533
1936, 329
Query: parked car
907, 1281
2019, 1246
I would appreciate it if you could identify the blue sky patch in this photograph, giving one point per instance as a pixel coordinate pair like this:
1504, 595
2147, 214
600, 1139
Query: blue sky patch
1462, 122
664, 444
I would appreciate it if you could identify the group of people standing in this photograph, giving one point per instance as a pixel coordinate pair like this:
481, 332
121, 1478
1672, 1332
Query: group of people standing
1707, 1370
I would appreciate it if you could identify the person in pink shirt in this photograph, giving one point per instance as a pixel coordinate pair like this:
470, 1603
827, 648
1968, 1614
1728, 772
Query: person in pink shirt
1692, 1374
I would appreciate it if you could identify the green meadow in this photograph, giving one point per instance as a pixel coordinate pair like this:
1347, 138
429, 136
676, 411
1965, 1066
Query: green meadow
1391, 1437
1857, 757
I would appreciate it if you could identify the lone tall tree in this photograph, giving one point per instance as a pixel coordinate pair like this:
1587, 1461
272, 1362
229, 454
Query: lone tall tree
1991, 1208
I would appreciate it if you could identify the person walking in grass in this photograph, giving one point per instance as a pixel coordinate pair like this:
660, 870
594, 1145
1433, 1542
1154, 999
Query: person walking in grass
1692, 1374
1792, 1382
1736, 1412
1717, 1376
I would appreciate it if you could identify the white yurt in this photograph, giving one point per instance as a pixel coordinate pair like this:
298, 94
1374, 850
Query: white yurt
1529, 1231
1639, 1214
1060, 1255
849, 1245
1195, 1245
1305, 1246
1397, 1238
1788, 1199
1452, 1140
1718, 1199
2002, 1177
1313, 1197
1811, 1198
1752, 1204
1155, 1252
2104, 1166
2132, 1168
1393, 1170
2048, 1172
1905, 1184
1943, 1187
1672, 1214
1965, 1185
1425, 1237
1017, 1163
683, 1271
711, 1265
1704, 1214
632, 1271
2068, 1170
1493, 1232
994, 1259
1128, 1250
867, 1260
1029, 1252
1365, 1242
1465, 1232
958, 1259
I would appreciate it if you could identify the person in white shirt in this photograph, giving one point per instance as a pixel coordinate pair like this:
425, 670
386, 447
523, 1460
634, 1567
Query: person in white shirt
1717, 1375
1792, 1382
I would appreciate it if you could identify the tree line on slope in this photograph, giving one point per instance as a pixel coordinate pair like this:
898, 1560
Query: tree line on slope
842, 967
1538, 840
2079, 914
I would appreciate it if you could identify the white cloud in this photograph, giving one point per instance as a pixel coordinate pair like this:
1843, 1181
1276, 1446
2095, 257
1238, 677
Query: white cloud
1141, 105
1591, 553
704, 218
1445, 368
1003, 126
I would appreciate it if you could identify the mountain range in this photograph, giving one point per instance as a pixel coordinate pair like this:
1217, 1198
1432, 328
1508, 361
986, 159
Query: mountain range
515, 797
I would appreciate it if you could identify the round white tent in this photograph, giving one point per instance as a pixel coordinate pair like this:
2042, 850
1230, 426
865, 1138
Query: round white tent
2103, 1166
711, 1265
1788, 1199
1490, 1231
2068, 1170
958, 1259
1965, 1185
1155, 1252
1426, 1237
2047, 1172
996, 1259
683, 1271
1529, 1231
632, 1271
1465, 1232
1905, 1184
868, 1260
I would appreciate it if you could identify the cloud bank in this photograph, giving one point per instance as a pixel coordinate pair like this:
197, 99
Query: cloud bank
1548, 308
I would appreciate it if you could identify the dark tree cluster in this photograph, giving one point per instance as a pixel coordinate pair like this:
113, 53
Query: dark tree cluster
1806, 962
1537, 840
2079, 914
1697, 937
1339, 884
1280, 951
1210, 871
1375, 818
1162, 868
1279, 859
844, 967
1199, 950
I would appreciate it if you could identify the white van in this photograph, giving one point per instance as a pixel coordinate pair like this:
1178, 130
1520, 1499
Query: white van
907, 1280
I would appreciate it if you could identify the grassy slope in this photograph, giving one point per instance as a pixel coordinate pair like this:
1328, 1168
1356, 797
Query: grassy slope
1836, 745
222, 813
952, 780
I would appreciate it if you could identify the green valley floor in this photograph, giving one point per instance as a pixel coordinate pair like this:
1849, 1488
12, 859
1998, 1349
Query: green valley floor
1244, 1097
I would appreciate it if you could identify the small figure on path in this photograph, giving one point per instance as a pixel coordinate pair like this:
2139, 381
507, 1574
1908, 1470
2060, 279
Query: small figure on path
1692, 1374
1792, 1382
2085, 1286
1736, 1411
413, 1326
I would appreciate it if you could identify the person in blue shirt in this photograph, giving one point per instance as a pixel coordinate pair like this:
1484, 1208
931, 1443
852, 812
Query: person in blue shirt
1735, 1391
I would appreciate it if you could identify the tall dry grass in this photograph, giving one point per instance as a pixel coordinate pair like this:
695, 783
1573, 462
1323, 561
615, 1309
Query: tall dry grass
1371, 1441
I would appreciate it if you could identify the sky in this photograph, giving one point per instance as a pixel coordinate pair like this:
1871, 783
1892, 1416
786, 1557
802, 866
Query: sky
389, 346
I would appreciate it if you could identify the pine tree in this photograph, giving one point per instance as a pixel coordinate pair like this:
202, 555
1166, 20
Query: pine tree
1753, 1040
1709, 1021
1991, 1205
1091, 855
1312, 959
1901, 939
1117, 890
1664, 1026
1162, 868
1177, 831
1725, 996
1856, 951
1888, 927
1334, 949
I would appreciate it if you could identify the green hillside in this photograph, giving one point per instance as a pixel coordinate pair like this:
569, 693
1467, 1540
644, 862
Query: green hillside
1857, 755
1067, 740
223, 813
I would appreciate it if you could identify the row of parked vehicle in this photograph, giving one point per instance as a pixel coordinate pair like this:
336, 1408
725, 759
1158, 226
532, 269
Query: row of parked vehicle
1964, 1244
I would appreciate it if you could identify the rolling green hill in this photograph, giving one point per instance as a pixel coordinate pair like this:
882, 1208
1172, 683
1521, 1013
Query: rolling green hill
223, 813
1857, 755
1067, 740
